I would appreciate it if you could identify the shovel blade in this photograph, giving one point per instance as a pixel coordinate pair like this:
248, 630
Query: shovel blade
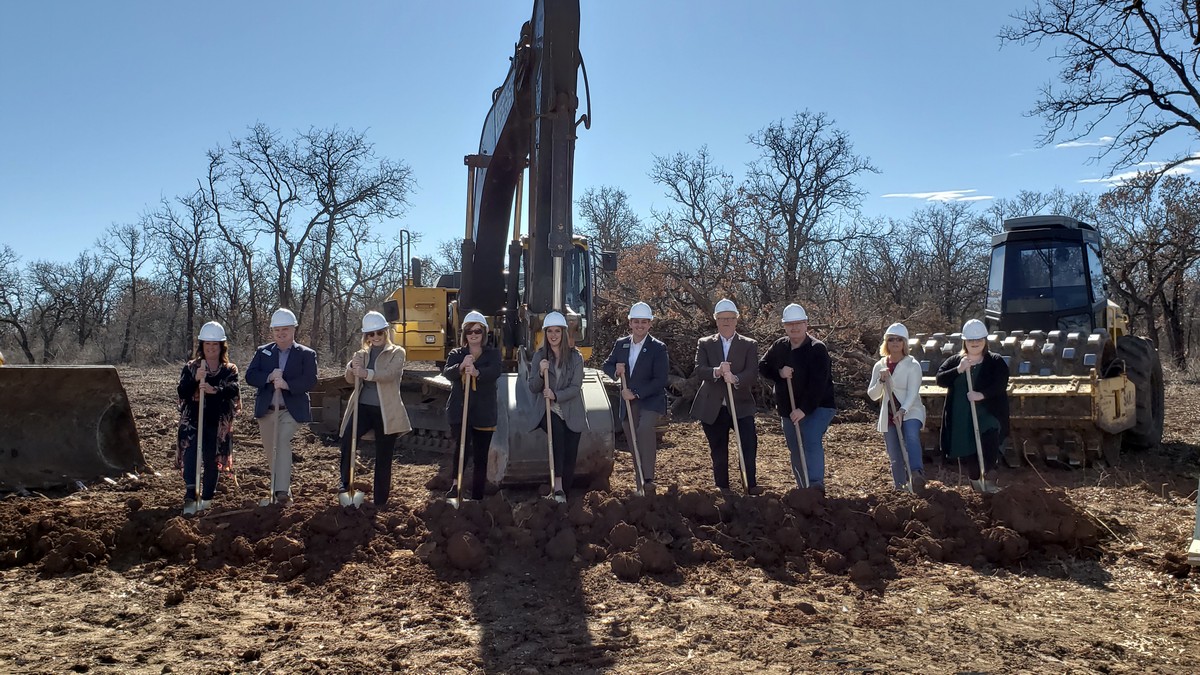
355, 498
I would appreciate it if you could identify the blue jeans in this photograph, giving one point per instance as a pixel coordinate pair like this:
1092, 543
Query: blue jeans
912, 442
812, 433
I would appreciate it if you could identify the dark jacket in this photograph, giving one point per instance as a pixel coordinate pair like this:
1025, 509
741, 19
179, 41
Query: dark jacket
482, 412
300, 375
648, 379
743, 357
992, 382
812, 380
220, 408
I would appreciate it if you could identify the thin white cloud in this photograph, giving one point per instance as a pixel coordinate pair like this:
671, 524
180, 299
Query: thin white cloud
1103, 140
1117, 180
941, 196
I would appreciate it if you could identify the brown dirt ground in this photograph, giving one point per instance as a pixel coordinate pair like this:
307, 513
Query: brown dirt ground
1065, 571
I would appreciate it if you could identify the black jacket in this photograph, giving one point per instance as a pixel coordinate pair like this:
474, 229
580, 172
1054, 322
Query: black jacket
812, 379
482, 412
992, 383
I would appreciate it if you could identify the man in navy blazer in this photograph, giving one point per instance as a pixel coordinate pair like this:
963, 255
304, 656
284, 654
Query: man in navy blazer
727, 361
283, 372
642, 360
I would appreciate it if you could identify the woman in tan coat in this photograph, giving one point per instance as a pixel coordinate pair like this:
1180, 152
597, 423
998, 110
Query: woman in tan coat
378, 366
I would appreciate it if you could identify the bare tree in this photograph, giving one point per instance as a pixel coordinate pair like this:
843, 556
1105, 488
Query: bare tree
239, 234
14, 298
126, 247
608, 220
800, 186
699, 236
348, 185
446, 259
1129, 70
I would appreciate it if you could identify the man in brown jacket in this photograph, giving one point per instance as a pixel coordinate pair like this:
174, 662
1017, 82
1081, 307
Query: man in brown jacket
723, 360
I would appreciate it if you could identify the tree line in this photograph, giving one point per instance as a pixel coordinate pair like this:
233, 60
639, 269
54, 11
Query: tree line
296, 221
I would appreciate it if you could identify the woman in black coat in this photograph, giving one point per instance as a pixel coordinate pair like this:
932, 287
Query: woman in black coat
989, 377
476, 363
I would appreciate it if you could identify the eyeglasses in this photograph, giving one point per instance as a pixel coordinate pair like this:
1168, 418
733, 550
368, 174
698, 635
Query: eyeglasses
473, 331
376, 333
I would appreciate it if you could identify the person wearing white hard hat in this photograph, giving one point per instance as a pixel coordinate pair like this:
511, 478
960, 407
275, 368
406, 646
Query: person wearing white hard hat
642, 361
476, 364
902, 417
211, 372
282, 372
800, 362
723, 360
378, 367
988, 390
557, 374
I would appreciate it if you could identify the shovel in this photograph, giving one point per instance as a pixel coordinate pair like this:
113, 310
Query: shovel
274, 463
799, 440
975, 424
887, 390
737, 435
550, 444
637, 458
199, 442
456, 501
353, 497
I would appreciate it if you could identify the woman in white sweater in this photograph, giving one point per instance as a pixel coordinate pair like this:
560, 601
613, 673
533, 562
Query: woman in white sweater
902, 374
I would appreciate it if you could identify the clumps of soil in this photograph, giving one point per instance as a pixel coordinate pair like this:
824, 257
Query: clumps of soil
863, 538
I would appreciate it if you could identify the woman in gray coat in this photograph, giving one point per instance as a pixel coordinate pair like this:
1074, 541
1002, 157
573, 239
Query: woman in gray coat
558, 376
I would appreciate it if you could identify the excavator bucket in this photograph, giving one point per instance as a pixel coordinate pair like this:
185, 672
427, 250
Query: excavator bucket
61, 424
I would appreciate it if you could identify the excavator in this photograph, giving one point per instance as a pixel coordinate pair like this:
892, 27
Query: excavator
514, 280
1081, 387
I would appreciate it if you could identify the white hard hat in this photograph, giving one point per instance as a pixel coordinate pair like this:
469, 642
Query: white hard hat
974, 330
373, 321
898, 330
475, 317
794, 312
641, 310
283, 317
212, 332
725, 305
554, 319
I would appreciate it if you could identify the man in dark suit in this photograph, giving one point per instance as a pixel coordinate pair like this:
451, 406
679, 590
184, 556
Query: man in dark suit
283, 372
726, 360
642, 360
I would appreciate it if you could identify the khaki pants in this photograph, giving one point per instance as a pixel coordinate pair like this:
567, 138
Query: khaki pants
279, 457
647, 440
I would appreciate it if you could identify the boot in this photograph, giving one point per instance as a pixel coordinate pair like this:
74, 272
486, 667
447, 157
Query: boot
189, 507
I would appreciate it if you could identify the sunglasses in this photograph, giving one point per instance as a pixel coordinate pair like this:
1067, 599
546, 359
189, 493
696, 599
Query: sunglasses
473, 331
895, 339
376, 333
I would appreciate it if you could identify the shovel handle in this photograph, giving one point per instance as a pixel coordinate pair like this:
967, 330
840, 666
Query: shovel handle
737, 435
550, 441
887, 390
799, 440
354, 432
637, 458
200, 431
975, 425
462, 436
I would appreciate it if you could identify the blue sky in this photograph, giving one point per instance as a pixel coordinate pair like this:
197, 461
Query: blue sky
107, 107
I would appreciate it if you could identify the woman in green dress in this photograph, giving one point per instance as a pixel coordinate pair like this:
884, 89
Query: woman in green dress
989, 393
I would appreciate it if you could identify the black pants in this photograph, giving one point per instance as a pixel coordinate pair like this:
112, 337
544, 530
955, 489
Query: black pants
479, 441
718, 443
370, 418
566, 448
208, 483
990, 440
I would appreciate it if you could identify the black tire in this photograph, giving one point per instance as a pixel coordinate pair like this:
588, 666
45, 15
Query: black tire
1144, 369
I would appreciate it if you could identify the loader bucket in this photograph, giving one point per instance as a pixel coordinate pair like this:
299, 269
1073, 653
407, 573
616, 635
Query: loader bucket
519, 455
61, 424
